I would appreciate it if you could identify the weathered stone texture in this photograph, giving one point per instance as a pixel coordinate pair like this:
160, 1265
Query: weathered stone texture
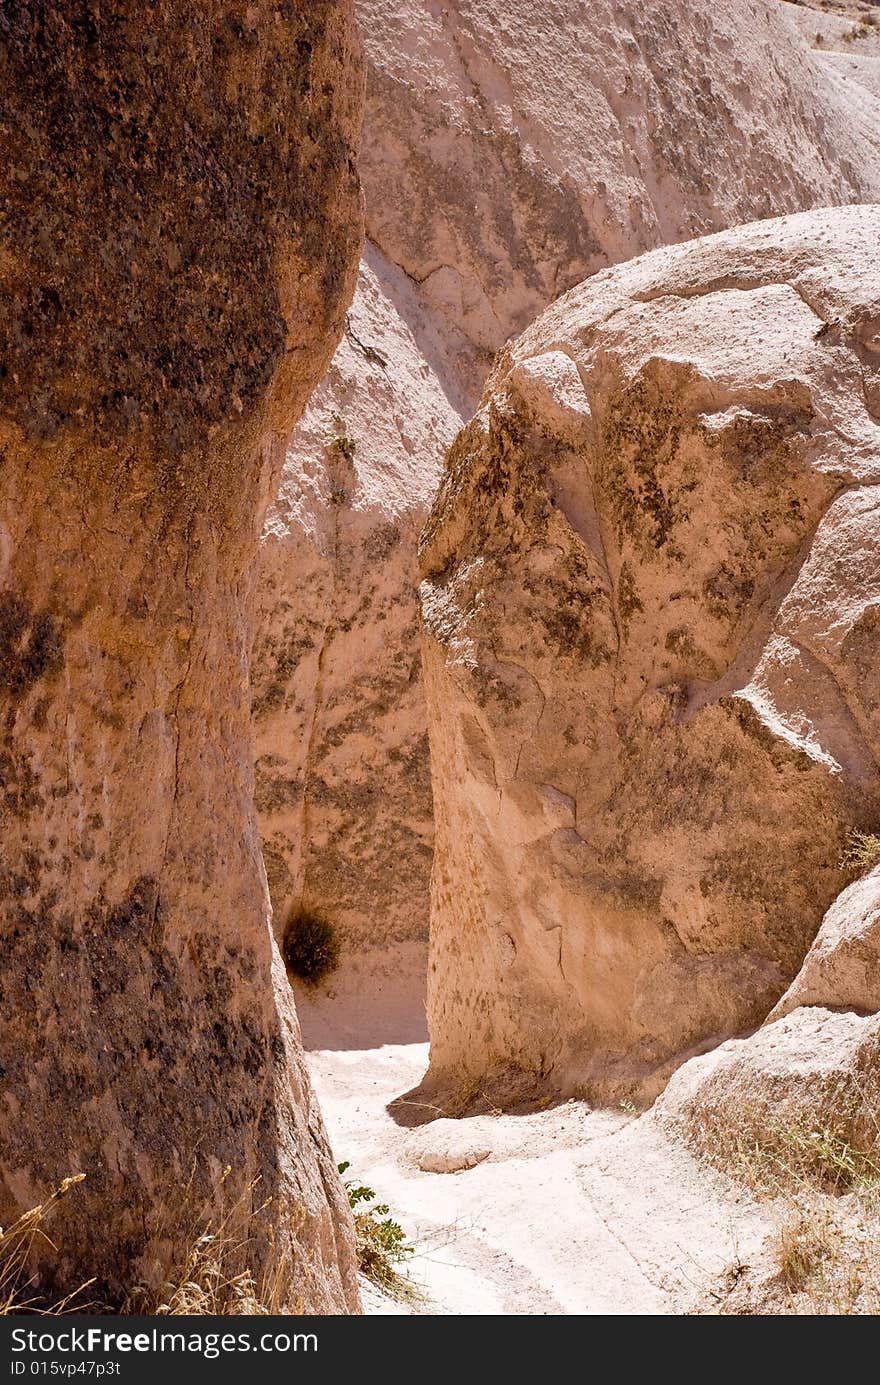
181, 225
650, 583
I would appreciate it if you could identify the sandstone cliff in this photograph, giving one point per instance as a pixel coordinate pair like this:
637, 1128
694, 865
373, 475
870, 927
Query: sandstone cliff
650, 590
509, 150
181, 222
343, 783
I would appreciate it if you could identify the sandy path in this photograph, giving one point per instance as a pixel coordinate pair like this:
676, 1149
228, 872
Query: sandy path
572, 1211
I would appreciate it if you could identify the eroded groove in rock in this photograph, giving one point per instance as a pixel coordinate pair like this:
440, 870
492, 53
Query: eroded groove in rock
640, 872
181, 220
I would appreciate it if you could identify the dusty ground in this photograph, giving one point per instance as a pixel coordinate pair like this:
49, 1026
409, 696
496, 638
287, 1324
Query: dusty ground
569, 1211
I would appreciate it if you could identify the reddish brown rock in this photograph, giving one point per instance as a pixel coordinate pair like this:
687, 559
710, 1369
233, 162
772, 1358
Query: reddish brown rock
181, 222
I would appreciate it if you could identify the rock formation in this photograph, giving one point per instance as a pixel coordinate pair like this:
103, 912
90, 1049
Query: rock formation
845, 45
509, 150
650, 597
815, 1064
181, 220
811, 1077
842, 968
343, 782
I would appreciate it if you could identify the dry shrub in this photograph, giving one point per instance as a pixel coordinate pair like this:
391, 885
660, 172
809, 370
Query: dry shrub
862, 851
776, 1156
310, 947
827, 1256
825, 1253
803, 1241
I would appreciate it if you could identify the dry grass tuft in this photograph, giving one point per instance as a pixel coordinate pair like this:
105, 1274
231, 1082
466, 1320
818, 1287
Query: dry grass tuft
778, 1147
213, 1276
777, 1157
804, 1240
17, 1243
824, 1256
826, 1253
862, 851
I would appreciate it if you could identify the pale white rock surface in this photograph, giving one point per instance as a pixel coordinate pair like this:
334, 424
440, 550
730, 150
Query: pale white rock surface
511, 149
574, 1211
446, 1146
650, 597
846, 44
863, 69
842, 968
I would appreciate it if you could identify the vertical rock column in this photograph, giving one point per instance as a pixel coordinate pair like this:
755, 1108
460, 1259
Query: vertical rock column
181, 224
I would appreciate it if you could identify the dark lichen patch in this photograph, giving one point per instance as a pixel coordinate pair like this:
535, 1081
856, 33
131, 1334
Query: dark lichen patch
277, 663
490, 687
642, 432
628, 599
688, 657
31, 645
278, 874
20, 791
22, 881
185, 1017
275, 792
381, 543
108, 932
574, 611
130, 117
727, 592
757, 442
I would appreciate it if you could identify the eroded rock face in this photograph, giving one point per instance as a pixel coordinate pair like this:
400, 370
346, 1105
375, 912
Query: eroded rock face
842, 968
814, 1066
343, 782
812, 1075
181, 226
812, 1072
510, 149
651, 582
